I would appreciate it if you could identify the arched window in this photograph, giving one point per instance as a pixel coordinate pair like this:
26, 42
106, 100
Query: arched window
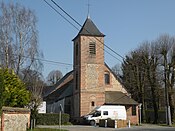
107, 78
92, 103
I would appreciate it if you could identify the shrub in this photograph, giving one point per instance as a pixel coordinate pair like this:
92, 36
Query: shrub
13, 91
52, 119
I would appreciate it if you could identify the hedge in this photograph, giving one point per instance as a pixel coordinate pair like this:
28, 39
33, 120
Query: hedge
52, 119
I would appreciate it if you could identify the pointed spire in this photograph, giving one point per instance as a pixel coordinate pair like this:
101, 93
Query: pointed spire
89, 29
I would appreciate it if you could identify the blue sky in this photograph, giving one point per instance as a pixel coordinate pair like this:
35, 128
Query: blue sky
126, 24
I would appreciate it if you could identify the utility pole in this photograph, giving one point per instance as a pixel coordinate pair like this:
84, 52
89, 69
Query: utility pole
61, 109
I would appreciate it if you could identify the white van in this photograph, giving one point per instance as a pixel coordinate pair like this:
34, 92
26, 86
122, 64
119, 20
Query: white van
106, 112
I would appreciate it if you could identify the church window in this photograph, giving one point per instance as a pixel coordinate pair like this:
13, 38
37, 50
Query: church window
107, 78
76, 82
76, 53
92, 48
76, 49
92, 103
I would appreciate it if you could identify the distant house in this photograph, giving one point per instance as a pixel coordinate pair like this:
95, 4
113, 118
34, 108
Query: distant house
91, 83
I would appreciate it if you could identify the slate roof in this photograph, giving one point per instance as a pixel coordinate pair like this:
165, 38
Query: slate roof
118, 98
64, 80
89, 29
60, 93
62, 89
47, 90
50, 89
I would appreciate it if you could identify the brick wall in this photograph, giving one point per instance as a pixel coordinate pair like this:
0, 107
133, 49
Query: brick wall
91, 75
15, 119
86, 101
114, 85
134, 119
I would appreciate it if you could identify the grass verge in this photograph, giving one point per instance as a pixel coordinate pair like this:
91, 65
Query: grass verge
45, 129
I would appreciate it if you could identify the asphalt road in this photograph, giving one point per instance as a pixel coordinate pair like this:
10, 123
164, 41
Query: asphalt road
133, 128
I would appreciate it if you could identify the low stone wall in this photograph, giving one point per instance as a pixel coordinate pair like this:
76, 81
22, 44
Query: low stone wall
15, 119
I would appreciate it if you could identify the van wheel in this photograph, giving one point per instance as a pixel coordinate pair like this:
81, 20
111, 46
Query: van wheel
92, 123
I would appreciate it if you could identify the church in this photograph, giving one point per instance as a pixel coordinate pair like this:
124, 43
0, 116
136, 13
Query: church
91, 83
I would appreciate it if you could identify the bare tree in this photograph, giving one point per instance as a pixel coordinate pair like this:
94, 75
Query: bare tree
5, 38
35, 84
167, 52
134, 77
152, 63
171, 75
150, 69
54, 76
117, 70
18, 38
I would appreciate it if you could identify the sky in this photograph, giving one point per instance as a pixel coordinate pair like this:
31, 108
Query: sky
126, 24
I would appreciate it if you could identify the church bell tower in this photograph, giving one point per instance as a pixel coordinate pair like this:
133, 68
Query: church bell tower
88, 67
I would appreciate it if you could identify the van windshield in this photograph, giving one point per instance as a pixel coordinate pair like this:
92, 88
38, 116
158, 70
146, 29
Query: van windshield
94, 110
95, 113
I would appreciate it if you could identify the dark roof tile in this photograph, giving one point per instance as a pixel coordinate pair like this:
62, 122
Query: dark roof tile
89, 29
119, 98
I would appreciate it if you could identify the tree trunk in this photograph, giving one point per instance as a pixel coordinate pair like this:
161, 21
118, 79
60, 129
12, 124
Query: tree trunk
171, 93
143, 111
154, 104
20, 54
152, 82
171, 101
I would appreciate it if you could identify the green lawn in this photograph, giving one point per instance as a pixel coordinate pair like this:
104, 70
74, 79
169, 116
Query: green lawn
46, 129
173, 125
